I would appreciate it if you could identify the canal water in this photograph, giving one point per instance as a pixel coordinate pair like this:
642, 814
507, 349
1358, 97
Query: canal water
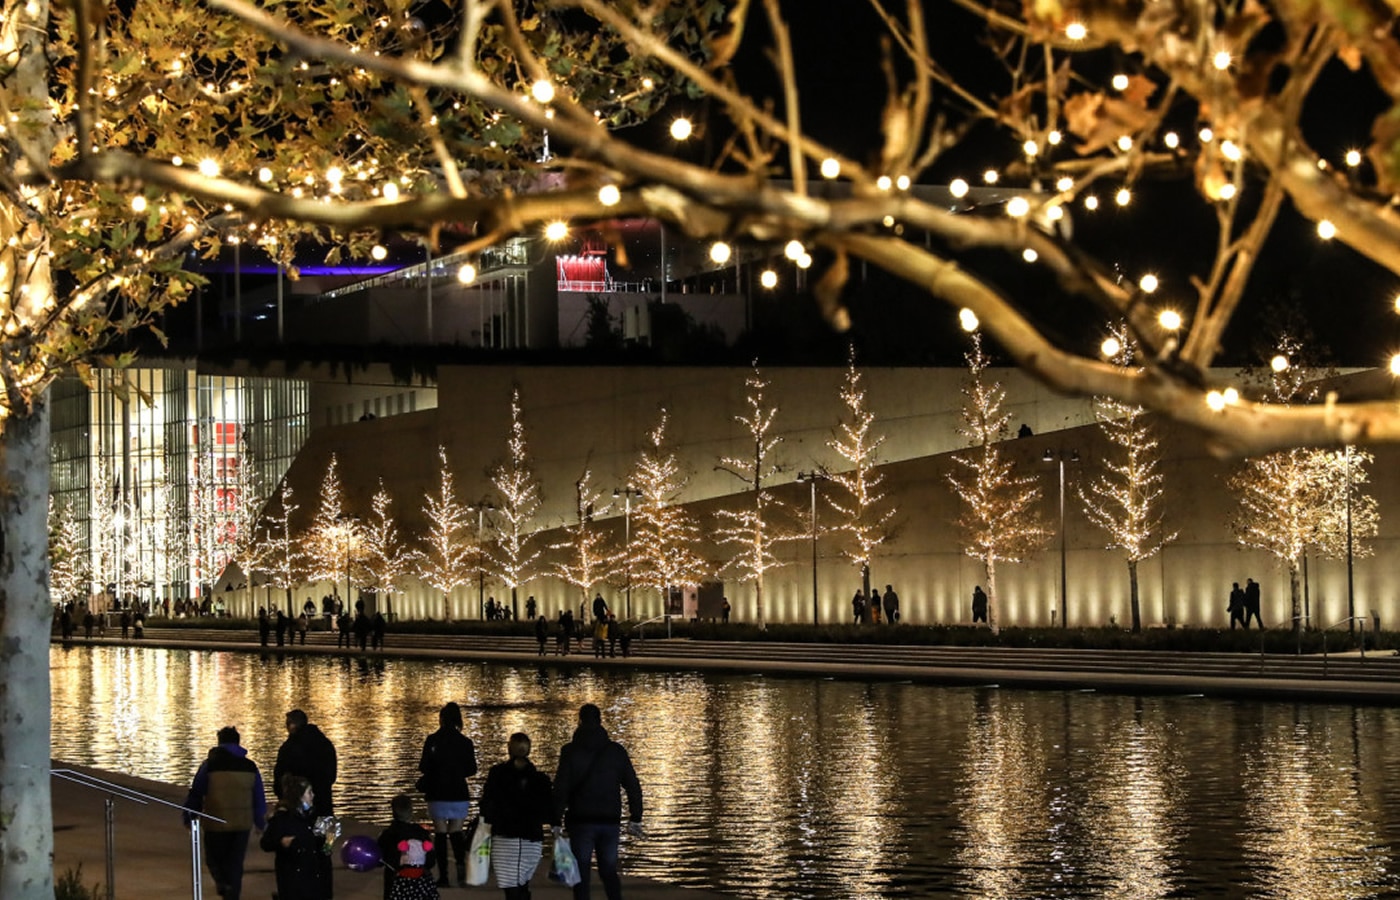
774, 787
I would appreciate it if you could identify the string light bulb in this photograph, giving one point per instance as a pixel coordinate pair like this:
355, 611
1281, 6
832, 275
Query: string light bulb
720, 252
902, 182
990, 176
1227, 191
1395, 364
1221, 60
138, 203
609, 195
1172, 140
794, 250
1120, 82
1216, 401
1017, 207
1169, 319
804, 261
390, 191
967, 319
1326, 230
1029, 255
378, 252
1030, 148
958, 188
542, 91
831, 168
1279, 363
1148, 283
466, 274
1091, 202
681, 129
1123, 197
208, 167
265, 175
884, 183
1064, 184
1110, 347
1125, 142
769, 279
1076, 31
556, 231
1353, 158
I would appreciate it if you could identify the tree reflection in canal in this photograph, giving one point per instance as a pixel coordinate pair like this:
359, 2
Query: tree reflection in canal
777, 788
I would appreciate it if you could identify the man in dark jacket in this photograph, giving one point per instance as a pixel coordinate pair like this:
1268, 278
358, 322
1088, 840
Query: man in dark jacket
309, 753
228, 786
592, 771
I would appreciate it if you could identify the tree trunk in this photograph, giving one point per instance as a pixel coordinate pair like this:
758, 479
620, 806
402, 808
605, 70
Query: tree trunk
758, 597
26, 616
447, 606
1133, 595
989, 565
865, 582
1295, 592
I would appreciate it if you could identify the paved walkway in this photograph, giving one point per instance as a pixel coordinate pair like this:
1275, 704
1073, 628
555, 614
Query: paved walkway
153, 852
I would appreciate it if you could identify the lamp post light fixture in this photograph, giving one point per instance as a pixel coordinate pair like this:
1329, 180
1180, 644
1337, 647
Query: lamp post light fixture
810, 479
481, 509
349, 522
627, 493
1062, 457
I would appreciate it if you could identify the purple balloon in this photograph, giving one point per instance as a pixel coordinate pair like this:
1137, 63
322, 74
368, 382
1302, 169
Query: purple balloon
360, 853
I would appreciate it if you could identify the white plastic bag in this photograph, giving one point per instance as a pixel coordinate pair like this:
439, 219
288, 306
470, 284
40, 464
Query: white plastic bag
479, 855
563, 866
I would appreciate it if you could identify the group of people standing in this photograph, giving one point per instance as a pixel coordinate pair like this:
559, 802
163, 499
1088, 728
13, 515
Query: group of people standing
1244, 604
868, 611
367, 631
517, 800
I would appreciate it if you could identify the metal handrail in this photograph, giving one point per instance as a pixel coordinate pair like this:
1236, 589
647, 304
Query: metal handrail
1293, 622
1347, 621
117, 792
640, 626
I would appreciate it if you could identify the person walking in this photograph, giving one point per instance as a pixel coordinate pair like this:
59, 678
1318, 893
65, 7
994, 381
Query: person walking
891, 605
517, 802
303, 862
264, 626
448, 760
281, 629
541, 632
362, 628
303, 625
858, 606
1251, 602
378, 627
600, 608
228, 787
592, 770
979, 605
309, 753
1236, 607
875, 606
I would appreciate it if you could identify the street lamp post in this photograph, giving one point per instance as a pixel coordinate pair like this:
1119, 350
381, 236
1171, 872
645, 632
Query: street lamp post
1351, 597
1061, 457
481, 557
811, 479
347, 519
627, 493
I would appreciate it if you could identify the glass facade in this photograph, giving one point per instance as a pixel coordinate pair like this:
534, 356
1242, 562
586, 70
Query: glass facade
165, 470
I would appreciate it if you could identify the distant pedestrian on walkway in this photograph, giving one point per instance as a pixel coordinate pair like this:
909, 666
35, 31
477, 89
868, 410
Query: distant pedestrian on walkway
517, 802
280, 627
979, 605
891, 602
858, 607
378, 627
531, 607
724, 610
309, 753
448, 760
542, 632
302, 863
126, 624
228, 786
303, 626
593, 771
264, 626
1236, 607
362, 628
1251, 602
600, 608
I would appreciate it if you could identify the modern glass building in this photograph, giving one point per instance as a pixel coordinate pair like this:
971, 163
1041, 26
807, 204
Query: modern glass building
164, 469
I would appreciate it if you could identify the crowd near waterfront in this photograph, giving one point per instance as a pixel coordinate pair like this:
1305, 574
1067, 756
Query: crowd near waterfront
800, 787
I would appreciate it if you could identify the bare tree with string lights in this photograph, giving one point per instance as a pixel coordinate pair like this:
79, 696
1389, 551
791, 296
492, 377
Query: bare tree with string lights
333, 537
68, 573
588, 557
753, 529
284, 558
513, 556
1000, 519
445, 549
1125, 500
663, 533
384, 556
865, 516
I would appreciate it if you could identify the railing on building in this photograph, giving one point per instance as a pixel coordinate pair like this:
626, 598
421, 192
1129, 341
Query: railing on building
512, 255
117, 792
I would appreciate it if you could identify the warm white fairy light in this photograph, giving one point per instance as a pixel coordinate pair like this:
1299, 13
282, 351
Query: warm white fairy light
1396, 302
902, 182
1221, 60
138, 203
1125, 142
1353, 158
884, 183
1091, 202
1030, 148
1216, 401
1148, 283
609, 195
1231, 151
831, 168
1055, 213
390, 190
967, 319
1054, 138
335, 175
1110, 347
681, 129
958, 188
1017, 207
1076, 31
1231, 396
1123, 197
556, 231
542, 91
1169, 319
208, 167
265, 175
794, 250
1206, 135
1120, 82
1227, 191
720, 252
887, 221
769, 279
1029, 255
1172, 140
1064, 184
804, 261
466, 274
990, 176
1326, 230
1395, 364
379, 252
1279, 363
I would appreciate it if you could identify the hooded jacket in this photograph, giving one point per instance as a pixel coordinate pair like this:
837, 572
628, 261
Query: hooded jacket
229, 786
592, 771
309, 753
